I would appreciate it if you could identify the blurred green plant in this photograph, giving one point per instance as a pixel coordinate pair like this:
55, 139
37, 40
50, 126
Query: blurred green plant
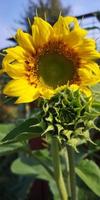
39, 164
49, 9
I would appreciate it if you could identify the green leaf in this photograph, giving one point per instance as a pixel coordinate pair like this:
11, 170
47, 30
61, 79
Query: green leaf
54, 190
24, 167
4, 129
37, 166
81, 194
24, 131
89, 172
10, 148
17, 190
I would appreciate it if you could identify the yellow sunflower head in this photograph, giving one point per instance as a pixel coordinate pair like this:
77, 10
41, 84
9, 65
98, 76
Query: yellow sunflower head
51, 58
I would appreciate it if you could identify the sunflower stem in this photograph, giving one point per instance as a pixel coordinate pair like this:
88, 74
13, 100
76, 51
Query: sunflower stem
67, 176
57, 169
71, 159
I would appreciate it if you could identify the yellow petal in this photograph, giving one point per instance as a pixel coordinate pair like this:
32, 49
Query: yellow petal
29, 97
75, 38
69, 29
18, 87
41, 31
16, 52
86, 91
25, 41
73, 25
87, 49
74, 87
88, 77
60, 27
46, 92
22, 89
13, 68
88, 43
71, 21
94, 67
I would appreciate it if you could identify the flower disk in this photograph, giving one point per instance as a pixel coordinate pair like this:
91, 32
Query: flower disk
50, 59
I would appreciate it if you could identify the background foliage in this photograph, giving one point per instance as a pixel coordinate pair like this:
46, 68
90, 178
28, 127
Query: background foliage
17, 175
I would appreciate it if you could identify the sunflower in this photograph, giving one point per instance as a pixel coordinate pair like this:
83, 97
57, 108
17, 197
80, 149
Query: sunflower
49, 59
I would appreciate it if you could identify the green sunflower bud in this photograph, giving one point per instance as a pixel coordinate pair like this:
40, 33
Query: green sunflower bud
67, 115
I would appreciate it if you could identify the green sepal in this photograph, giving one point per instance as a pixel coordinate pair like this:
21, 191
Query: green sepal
49, 129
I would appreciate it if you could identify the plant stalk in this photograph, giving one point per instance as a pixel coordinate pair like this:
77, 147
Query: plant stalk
67, 176
71, 159
57, 169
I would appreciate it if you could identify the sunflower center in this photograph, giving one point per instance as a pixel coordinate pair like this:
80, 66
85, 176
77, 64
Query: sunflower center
55, 69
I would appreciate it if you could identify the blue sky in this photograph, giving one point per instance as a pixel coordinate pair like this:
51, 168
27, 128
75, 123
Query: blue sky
11, 10
83, 6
